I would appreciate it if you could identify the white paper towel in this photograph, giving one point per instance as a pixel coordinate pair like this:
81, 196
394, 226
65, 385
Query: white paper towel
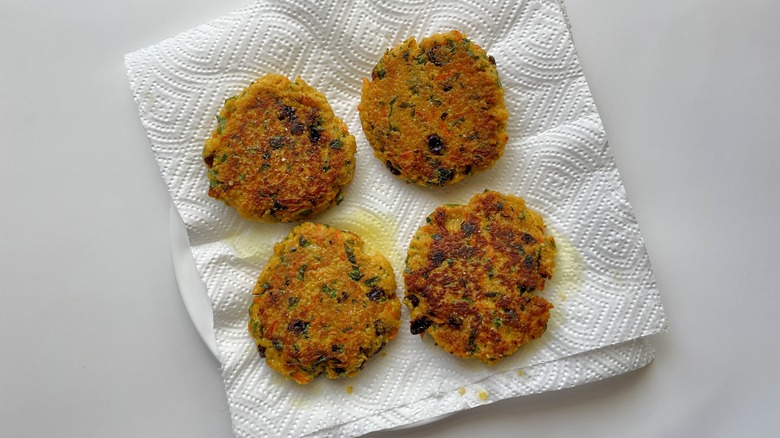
557, 159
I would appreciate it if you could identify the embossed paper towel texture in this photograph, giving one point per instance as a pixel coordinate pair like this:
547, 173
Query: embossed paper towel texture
557, 158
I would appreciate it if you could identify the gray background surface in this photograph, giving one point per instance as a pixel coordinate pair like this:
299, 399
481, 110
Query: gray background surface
95, 338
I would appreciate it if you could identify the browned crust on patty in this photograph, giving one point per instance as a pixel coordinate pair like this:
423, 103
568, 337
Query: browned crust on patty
435, 112
279, 154
323, 304
471, 274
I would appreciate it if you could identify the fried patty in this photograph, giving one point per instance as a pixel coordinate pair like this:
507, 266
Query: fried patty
471, 273
435, 112
279, 154
323, 304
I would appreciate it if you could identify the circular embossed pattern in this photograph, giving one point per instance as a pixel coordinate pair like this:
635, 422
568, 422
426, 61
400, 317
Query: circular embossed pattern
323, 305
471, 271
435, 112
279, 154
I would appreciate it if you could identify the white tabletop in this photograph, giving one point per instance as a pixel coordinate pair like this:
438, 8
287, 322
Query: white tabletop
94, 333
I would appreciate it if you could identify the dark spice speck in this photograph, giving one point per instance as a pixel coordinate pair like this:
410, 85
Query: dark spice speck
435, 144
419, 325
436, 258
314, 134
467, 228
527, 238
297, 129
455, 321
287, 112
298, 327
277, 142
394, 170
375, 294
379, 327
277, 206
445, 175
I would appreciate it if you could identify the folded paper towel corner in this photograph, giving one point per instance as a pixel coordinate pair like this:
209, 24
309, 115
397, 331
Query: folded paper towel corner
557, 158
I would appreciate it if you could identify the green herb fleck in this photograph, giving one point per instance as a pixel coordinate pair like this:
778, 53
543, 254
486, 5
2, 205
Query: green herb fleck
335, 144
221, 123
392, 102
355, 274
350, 254
328, 290
379, 71
372, 281
301, 271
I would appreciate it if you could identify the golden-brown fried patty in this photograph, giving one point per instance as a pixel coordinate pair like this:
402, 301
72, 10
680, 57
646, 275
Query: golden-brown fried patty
470, 273
323, 304
435, 112
279, 154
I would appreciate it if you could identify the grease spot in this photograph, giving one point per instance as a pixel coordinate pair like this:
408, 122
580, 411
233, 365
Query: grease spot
378, 231
255, 242
461, 391
483, 395
569, 268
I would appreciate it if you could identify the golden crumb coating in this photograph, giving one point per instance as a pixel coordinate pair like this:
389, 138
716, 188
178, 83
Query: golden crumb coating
435, 112
279, 154
471, 271
323, 305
